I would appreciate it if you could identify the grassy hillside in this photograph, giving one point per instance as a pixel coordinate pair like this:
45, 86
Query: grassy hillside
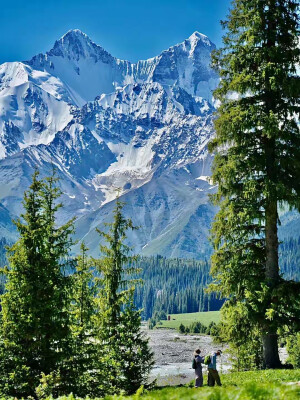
258, 385
186, 319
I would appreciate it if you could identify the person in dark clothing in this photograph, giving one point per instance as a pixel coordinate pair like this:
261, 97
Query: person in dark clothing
197, 362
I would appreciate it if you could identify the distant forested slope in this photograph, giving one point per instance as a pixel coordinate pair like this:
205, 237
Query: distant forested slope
289, 258
175, 286
178, 285
3, 243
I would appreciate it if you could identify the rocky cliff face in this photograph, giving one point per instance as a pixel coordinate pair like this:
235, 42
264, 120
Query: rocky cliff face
109, 125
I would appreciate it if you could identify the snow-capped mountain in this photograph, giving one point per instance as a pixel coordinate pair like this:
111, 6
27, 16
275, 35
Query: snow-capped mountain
33, 107
87, 70
109, 126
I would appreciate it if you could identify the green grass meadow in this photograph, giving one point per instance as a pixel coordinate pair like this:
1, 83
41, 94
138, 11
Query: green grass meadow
186, 319
258, 385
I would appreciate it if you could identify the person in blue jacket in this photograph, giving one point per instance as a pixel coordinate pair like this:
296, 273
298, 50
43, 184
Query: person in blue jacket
213, 374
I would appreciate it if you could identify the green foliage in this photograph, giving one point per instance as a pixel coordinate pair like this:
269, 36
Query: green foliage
35, 312
3, 261
243, 336
47, 386
293, 348
181, 328
181, 283
87, 373
156, 318
213, 329
130, 359
69, 325
257, 163
197, 327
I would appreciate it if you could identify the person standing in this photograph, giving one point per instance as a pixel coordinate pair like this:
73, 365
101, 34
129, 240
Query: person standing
213, 374
197, 365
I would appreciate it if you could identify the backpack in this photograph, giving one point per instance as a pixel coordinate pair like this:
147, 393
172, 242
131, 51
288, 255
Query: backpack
194, 364
207, 360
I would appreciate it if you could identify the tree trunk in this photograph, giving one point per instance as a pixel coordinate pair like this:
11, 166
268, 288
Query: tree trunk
270, 351
270, 338
272, 267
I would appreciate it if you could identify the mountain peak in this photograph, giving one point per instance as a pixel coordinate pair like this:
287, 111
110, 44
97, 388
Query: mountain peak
75, 33
199, 37
75, 45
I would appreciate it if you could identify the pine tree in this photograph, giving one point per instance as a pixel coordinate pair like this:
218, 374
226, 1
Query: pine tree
35, 326
257, 162
130, 357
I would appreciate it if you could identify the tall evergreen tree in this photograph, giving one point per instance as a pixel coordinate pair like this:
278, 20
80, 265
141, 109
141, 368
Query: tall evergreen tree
34, 317
119, 322
84, 292
87, 374
257, 162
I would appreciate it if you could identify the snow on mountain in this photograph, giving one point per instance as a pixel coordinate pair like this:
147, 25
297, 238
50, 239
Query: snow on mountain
87, 70
172, 211
153, 100
149, 129
187, 65
76, 155
33, 107
111, 126
13, 74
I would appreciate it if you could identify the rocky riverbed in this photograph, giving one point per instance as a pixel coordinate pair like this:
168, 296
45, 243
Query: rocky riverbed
173, 354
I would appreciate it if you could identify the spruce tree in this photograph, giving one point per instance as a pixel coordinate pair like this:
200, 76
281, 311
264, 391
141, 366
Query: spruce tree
84, 292
130, 359
86, 370
34, 316
257, 161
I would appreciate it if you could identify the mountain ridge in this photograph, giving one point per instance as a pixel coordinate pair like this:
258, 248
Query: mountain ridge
88, 57
110, 126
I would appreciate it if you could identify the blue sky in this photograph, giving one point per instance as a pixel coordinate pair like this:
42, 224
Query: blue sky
128, 29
